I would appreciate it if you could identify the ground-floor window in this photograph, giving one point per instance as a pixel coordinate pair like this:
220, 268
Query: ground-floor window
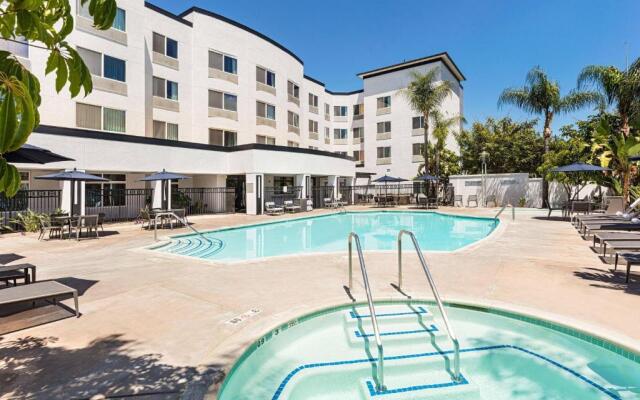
106, 194
265, 140
280, 181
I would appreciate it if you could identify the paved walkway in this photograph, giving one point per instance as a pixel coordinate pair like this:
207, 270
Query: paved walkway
153, 322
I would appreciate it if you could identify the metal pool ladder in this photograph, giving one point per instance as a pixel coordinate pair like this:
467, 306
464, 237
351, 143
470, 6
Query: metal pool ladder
452, 335
513, 211
372, 309
184, 222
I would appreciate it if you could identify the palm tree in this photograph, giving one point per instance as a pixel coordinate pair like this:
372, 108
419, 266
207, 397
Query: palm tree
425, 94
442, 127
541, 96
619, 88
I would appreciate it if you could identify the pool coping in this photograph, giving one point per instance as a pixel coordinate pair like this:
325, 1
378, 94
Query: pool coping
597, 335
499, 227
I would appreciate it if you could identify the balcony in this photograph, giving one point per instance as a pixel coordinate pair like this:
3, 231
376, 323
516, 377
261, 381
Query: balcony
85, 24
339, 118
327, 141
265, 88
109, 85
416, 158
383, 111
220, 113
313, 135
357, 140
265, 122
223, 76
360, 163
383, 136
169, 62
417, 132
313, 109
293, 129
293, 100
341, 141
166, 104
327, 117
383, 161
358, 117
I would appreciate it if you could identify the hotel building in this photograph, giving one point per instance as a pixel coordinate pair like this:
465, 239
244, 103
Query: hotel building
205, 96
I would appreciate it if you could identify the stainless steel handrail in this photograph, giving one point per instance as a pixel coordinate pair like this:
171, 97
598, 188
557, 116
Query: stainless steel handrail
452, 335
183, 220
513, 211
372, 309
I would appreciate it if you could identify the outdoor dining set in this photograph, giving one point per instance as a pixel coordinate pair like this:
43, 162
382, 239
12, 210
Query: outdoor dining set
59, 224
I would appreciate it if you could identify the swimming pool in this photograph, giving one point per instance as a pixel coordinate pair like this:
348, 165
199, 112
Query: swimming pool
328, 233
331, 354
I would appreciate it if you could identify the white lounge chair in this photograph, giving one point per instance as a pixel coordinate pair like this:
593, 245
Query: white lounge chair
329, 203
290, 207
271, 209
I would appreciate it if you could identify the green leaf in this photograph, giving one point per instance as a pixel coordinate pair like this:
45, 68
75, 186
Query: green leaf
7, 121
62, 74
13, 184
27, 122
52, 62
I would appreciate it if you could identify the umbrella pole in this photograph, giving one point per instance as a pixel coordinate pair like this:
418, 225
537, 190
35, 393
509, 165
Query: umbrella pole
72, 195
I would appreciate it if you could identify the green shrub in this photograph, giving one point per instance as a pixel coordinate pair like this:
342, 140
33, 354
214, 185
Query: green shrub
30, 221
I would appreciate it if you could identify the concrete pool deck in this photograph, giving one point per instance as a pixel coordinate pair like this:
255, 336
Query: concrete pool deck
153, 323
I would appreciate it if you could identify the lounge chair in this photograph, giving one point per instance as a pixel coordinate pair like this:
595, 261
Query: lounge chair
11, 273
38, 291
631, 259
271, 209
615, 245
609, 226
457, 199
422, 201
600, 237
290, 207
340, 202
330, 203
472, 198
614, 207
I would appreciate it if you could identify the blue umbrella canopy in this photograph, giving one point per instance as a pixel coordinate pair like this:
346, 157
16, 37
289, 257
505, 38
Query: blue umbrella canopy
426, 177
634, 158
163, 176
30, 154
387, 179
73, 175
580, 167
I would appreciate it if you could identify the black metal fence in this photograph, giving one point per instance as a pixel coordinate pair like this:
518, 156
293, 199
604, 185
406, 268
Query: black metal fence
117, 204
204, 200
278, 195
319, 193
370, 194
40, 201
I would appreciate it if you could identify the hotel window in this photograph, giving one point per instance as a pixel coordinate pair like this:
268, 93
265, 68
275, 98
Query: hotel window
384, 102
265, 110
340, 111
293, 90
223, 101
165, 88
265, 140
265, 76
417, 122
384, 127
165, 45
327, 109
100, 118
119, 22
313, 126
223, 62
293, 119
327, 134
358, 109
106, 194
417, 149
103, 65
165, 130
19, 47
224, 138
339, 134
384, 152
358, 133
313, 100
291, 143
358, 155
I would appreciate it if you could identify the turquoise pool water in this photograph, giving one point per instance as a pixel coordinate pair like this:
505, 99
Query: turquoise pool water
377, 230
332, 355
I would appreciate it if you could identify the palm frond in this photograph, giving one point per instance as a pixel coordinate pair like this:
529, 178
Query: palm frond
576, 100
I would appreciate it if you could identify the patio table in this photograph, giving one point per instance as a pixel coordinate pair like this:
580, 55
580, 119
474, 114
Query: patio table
65, 220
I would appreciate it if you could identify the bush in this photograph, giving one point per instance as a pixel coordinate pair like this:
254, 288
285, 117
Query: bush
30, 221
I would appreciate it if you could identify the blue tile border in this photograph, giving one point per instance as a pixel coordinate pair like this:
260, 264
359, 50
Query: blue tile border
278, 393
373, 392
420, 310
431, 328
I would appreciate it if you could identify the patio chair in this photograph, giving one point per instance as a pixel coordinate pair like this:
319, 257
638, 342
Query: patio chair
491, 199
145, 216
87, 222
271, 209
101, 220
52, 227
472, 198
290, 207
329, 203
432, 202
562, 208
457, 199
422, 201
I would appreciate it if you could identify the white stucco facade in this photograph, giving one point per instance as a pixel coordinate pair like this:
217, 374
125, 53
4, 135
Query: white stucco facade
198, 33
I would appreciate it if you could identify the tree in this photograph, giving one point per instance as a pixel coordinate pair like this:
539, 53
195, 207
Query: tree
46, 25
541, 96
619, 88
425, 95
442, 127
512, 146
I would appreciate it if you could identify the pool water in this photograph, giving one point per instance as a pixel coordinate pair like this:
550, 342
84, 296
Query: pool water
332, 355
377, 230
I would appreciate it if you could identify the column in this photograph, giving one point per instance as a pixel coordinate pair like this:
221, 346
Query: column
332, 180
157, 194
255, 193
303, 181
78, 197
351, 181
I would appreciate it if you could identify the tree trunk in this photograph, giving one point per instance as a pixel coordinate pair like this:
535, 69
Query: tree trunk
626, 184
547, 138
437, 159
625, 128
425, 149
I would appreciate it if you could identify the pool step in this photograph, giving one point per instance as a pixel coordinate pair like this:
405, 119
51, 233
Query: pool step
386, 314
405, 332
423, 389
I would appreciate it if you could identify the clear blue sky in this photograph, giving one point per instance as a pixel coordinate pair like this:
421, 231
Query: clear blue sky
493, 42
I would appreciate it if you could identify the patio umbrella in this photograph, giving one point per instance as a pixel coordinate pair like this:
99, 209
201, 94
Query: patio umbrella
165, 177
30, 154
577, 168
72, 176
386, 179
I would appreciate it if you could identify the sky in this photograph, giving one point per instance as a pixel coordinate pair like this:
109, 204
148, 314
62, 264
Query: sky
493, 42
